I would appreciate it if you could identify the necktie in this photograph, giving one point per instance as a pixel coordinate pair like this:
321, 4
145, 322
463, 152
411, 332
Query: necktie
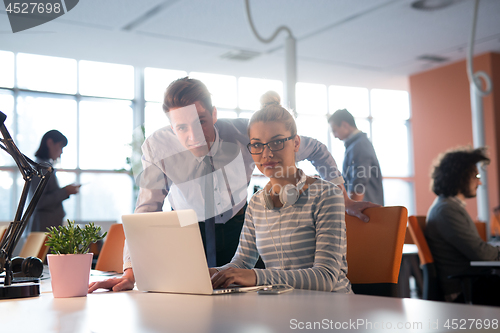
210, 213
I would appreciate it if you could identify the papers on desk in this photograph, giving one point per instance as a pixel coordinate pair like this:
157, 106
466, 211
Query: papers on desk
485, 263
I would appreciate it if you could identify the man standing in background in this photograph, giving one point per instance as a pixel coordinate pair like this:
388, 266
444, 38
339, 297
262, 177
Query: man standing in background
361, 170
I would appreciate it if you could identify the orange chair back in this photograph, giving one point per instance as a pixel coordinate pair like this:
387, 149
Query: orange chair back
111, 256
35, 246
375, 249
495, 225
421, 222
417, 227
408, 238
481, 229
3, 229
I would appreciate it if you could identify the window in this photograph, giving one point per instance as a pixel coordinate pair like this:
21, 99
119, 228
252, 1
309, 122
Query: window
250, 90
42, 73
108, 196
105, 134
355, 100
6, 182
226, 114
390, 104
311, 119
315, 127
7, 107
399, 192
7, 69
311, 99
222, 87
390, 140
156, 82
39, 113
70, 205
99, 130
106, 80
155, 118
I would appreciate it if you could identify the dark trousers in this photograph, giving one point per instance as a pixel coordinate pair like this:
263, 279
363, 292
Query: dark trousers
485, 291
227, 238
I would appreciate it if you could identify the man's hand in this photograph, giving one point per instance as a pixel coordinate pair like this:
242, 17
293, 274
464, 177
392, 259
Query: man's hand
243, 277
355, 208
125, 282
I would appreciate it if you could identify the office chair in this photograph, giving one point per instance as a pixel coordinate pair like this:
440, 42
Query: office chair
111, 256
35, 246
432, 291
495, 225
375, 249
481, 229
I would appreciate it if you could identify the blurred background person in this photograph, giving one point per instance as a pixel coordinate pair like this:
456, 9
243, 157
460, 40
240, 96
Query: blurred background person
450, 231
49, 211
361, 169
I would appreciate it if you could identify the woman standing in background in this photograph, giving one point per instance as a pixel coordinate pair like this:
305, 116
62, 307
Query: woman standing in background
49, 211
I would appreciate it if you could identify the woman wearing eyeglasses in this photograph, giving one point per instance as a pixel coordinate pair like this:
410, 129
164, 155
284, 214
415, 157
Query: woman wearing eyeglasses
296, 223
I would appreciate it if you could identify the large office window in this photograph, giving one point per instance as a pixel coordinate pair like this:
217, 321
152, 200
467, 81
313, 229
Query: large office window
49, 74
7, 69
91, 103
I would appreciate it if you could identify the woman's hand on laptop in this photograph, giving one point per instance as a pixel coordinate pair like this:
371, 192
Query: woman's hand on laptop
125, 282
226, 277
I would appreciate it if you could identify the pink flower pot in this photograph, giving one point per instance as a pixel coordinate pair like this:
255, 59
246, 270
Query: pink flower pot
69, 274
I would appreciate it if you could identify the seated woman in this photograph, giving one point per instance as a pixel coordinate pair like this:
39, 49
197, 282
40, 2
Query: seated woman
296, 223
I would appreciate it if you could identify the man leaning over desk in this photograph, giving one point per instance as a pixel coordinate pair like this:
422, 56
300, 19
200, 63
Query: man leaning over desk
200, 155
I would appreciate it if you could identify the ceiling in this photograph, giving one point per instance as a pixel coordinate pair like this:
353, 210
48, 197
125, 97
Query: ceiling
371, 43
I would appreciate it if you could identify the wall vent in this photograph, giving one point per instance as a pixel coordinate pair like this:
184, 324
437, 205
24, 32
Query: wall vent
432, 58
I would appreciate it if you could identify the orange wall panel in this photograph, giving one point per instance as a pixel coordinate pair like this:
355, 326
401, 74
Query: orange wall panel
441, 120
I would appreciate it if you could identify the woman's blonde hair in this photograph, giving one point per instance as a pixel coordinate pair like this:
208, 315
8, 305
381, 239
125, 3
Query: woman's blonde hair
271, 110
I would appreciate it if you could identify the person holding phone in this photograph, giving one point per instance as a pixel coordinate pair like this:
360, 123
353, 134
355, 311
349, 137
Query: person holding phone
296, 223
49, 211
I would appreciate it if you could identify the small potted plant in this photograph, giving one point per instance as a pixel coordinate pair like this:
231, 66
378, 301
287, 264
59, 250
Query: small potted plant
70, 263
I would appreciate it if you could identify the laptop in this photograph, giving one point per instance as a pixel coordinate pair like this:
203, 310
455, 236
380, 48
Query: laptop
167, 254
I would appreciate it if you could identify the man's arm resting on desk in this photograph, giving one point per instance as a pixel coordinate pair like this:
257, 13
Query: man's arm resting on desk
125, 282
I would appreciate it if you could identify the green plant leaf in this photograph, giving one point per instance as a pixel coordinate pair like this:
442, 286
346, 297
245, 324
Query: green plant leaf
72, 239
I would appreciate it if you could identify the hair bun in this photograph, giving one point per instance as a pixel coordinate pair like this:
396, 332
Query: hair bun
269, 98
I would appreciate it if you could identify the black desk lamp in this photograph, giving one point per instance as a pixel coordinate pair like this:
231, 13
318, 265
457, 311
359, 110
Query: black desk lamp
28, 169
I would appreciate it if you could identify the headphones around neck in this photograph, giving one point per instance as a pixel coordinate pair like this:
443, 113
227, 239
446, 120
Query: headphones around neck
289, 193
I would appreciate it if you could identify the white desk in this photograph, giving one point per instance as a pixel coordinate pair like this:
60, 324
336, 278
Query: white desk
485, 263
136, 311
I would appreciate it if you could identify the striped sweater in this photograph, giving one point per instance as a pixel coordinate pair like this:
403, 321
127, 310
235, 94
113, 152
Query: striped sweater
303, 245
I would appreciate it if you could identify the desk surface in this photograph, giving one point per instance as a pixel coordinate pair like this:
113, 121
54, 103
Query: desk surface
135, 311
485, 263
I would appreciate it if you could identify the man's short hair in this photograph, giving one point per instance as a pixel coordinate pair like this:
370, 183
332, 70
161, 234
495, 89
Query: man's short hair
185, 91
453, 170
342, 115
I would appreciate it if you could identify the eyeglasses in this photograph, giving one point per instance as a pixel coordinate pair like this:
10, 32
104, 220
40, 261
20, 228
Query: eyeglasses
258, 147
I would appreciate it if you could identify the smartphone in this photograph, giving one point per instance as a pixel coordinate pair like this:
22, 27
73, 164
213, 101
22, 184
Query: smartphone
275, 290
